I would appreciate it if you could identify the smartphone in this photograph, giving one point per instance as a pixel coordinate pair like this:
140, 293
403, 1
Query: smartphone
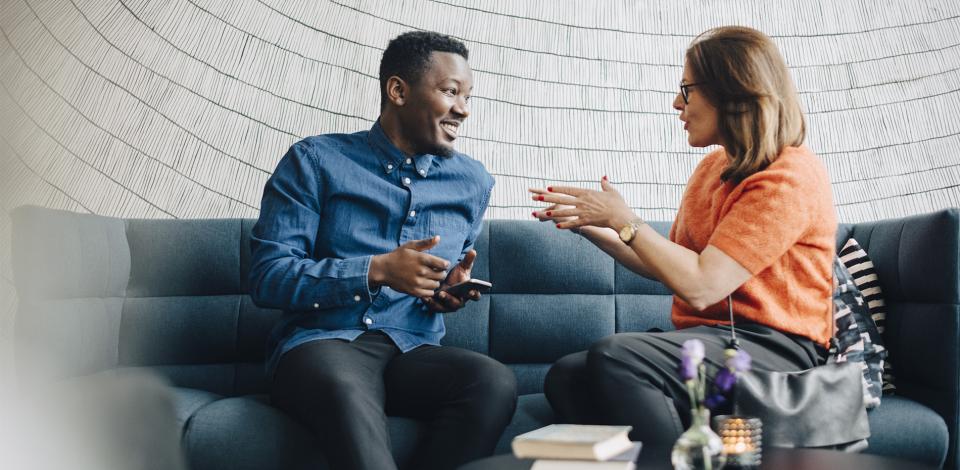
463, 289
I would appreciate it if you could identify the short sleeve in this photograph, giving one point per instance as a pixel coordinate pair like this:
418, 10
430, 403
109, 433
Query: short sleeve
771, 214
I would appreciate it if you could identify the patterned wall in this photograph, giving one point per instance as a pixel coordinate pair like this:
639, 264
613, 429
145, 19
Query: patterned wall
181, 108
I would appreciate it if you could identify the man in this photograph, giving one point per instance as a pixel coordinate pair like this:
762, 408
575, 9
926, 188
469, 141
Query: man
356, 234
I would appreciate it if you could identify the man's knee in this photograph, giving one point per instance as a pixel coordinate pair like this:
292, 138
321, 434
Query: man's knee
493, 398
496, 380
488, 389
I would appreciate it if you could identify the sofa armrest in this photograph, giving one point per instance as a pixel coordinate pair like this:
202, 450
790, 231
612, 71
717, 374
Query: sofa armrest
917, 260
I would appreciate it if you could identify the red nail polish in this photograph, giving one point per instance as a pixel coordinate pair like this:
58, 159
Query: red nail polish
534, 214
539, 198
604, 176
549, 213
550, 188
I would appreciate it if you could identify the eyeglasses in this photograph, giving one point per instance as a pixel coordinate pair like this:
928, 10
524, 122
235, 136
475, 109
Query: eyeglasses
685, 93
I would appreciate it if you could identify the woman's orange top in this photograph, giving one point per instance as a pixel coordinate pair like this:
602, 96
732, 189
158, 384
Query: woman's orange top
780, 224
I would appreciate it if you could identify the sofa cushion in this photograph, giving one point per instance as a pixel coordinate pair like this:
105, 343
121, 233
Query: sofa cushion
534, 258
557, 324
64, 255
186, 402
533, 412
855, 337
905, 429
864, 275
187, 257
247, 433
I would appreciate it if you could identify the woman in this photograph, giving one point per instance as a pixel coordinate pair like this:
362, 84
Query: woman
756, 222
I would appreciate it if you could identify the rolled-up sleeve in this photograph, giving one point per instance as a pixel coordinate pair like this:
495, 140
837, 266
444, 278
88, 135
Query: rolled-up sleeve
282, 274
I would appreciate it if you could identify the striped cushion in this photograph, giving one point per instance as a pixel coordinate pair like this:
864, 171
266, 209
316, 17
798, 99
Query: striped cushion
865, 277
856, 338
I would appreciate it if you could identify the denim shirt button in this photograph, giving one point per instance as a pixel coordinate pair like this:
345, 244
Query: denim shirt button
316, 305
356, 298
368, 321
406, 181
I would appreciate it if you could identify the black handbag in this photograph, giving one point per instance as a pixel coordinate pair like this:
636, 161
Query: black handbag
818, 407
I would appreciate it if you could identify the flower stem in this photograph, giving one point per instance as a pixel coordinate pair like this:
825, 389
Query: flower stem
691, 391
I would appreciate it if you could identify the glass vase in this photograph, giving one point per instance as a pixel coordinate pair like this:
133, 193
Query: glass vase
698, 448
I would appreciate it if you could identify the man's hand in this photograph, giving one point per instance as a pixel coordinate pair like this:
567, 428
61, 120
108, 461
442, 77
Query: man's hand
408, 269
443, 302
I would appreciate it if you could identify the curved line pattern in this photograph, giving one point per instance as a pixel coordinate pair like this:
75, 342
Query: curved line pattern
118, 138
652, 64
80, 159
41, 176
571, 108
691, 36
883, 118
133, 95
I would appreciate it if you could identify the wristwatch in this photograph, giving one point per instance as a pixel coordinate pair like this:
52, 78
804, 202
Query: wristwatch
630, 230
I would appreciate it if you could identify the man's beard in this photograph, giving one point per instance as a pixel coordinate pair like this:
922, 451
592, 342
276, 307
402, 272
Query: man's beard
445, 152
436, 149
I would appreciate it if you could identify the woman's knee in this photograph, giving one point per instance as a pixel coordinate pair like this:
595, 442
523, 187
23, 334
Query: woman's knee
614, 350
567, 372
632, 356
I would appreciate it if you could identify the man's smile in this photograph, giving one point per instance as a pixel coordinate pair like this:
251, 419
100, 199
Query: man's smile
450, 127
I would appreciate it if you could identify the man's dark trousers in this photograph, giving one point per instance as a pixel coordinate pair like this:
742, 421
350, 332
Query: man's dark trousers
343, 391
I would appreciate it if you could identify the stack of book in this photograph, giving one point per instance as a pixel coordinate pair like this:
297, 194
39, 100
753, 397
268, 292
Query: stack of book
578, 447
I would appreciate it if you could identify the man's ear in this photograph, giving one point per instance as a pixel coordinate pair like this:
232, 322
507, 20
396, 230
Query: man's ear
397, 90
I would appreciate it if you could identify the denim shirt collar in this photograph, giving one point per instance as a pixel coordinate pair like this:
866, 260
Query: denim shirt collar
391, 157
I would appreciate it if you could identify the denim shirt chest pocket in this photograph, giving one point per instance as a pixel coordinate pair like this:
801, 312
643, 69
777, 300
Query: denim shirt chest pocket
453, 229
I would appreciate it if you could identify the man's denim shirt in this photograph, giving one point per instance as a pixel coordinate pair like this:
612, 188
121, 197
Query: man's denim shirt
333, 202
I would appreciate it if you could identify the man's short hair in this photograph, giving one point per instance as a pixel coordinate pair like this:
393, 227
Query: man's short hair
408, 54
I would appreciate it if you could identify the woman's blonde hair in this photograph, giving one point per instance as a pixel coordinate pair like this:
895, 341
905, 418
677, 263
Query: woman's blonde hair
743, 75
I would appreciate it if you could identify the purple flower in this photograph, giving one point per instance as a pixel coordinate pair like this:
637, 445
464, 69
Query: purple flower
692, 356
714, 401
693, 349
738, 361
688, 368
724, 380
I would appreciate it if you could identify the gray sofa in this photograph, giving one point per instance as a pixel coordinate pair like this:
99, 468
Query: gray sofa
168, 296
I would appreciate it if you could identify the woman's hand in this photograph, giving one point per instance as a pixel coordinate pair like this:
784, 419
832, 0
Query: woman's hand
547, 213
584, 206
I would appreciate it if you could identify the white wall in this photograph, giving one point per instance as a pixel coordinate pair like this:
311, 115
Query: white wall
181, 108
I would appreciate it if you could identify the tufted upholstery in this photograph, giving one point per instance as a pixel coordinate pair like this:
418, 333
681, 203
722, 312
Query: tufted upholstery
168, 296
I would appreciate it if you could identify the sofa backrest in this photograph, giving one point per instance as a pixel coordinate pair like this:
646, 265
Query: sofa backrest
170, 295
186, 313
98, 293
182, 308
554, 293
71, 272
